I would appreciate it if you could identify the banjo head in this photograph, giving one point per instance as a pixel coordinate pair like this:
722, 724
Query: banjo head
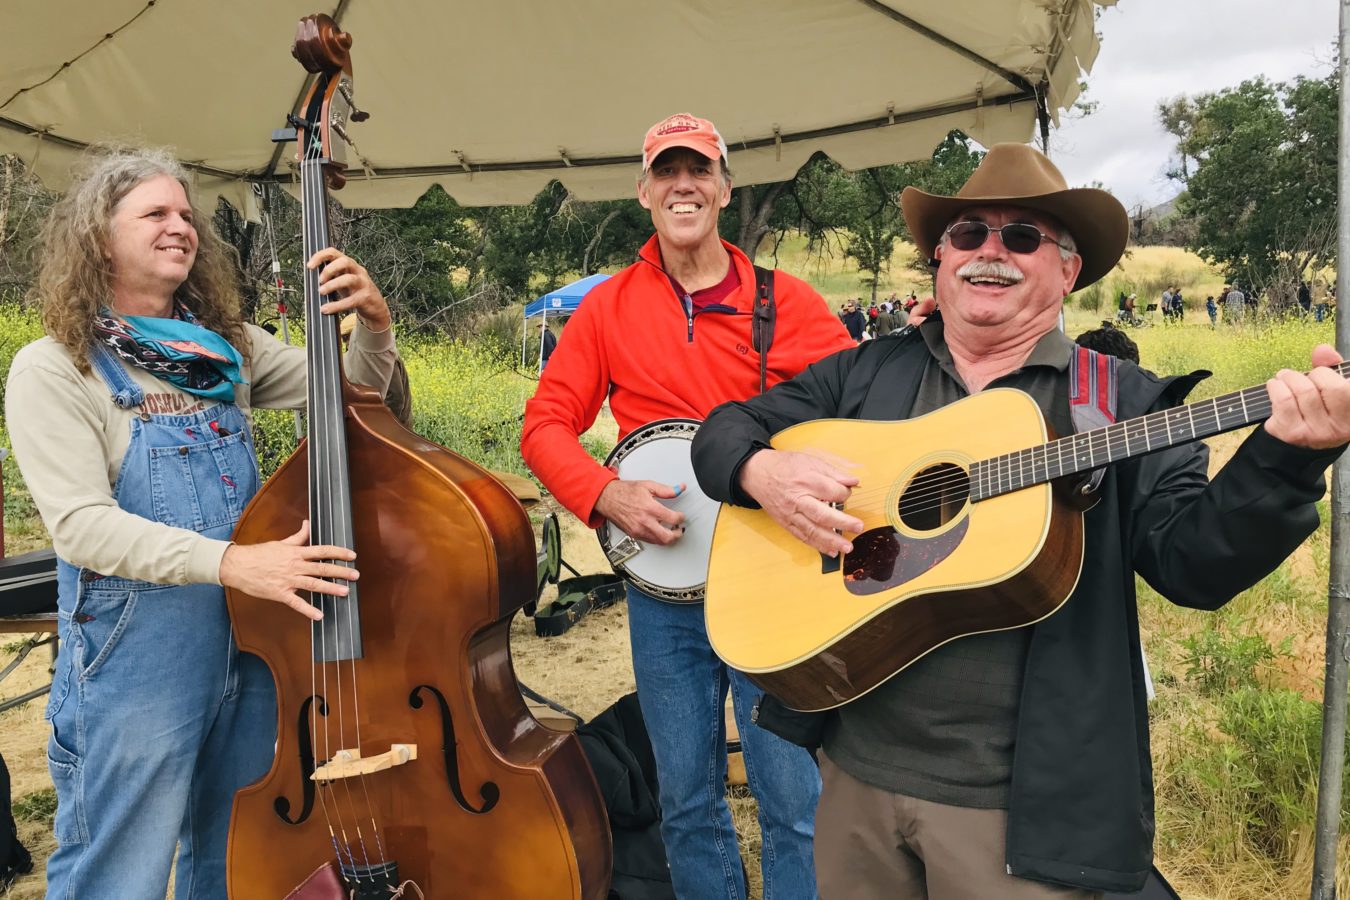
677, 573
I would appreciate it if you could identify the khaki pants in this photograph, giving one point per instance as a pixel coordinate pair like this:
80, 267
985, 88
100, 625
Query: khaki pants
872, 844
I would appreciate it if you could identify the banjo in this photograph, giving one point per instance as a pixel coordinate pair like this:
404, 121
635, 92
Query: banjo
659, 451
676, 573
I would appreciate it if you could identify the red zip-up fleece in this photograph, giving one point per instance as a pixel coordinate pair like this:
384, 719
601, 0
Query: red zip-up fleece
636, 341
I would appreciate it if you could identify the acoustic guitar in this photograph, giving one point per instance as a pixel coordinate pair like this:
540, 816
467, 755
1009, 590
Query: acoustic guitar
971, 523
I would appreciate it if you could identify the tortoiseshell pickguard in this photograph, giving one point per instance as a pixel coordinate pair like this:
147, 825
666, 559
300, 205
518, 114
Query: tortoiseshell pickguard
883, 558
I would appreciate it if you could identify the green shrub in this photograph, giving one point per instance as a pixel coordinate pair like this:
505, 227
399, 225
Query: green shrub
468, 398
497, 335
39, 806
1217, 663
1090, 298
19, 326
1248, 781
274, 438
1239, 356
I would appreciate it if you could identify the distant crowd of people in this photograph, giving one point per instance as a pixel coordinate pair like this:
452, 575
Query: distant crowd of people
876, 319
1235, 302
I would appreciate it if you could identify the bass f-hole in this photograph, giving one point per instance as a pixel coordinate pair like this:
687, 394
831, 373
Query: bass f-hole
305, 749
489, 791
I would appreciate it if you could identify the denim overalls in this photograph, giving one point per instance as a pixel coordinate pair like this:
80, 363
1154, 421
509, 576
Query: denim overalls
156, 717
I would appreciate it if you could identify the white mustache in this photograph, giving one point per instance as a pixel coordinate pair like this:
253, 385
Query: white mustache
989, 269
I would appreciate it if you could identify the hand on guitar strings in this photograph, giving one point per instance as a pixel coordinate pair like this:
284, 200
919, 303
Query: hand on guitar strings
349, 288
280, 570
797, 490
634, 507
1311, 410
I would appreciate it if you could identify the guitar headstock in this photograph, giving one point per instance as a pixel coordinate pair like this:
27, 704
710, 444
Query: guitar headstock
321, 129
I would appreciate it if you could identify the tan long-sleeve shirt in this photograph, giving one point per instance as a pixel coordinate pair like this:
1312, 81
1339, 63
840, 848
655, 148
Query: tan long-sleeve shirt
69, 439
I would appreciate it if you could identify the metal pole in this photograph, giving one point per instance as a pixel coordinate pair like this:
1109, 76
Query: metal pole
543, 326
1043, 116
1338, 600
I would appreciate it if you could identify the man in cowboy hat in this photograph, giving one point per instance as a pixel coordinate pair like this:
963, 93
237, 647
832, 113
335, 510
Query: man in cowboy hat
1015, 764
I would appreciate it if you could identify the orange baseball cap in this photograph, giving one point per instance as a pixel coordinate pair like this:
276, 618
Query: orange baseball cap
682, 130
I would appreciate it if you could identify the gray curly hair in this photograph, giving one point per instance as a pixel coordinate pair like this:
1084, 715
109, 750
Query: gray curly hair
74, 275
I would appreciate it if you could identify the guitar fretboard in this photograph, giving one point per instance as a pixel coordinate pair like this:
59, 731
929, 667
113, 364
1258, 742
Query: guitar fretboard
1134, 437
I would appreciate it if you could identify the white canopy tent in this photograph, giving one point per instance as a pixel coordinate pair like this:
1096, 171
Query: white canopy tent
494, 100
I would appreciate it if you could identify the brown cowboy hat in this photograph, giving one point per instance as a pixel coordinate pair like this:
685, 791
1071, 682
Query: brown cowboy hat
1018, 175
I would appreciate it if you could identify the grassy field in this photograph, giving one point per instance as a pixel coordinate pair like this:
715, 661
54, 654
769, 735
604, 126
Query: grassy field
1236, 723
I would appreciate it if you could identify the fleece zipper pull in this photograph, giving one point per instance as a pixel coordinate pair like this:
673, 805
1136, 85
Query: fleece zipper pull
689, 315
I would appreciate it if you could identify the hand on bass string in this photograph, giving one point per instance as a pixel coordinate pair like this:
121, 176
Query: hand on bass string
279, 570
797, 490
633, 506
1311, 410
349, 287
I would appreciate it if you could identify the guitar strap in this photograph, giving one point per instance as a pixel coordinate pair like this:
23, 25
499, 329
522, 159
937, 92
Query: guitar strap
1093, 385
762, 322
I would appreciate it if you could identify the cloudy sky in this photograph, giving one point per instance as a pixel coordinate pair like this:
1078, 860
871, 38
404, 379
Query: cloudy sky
1156, 49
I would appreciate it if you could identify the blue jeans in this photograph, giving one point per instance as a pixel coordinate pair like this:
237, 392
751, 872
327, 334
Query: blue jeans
156, 717
682, 687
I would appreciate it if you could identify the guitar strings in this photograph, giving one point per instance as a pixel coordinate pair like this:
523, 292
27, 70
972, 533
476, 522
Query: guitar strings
934, 490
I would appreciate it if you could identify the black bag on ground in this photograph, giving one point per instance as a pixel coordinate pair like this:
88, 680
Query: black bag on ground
14, 859
620, 752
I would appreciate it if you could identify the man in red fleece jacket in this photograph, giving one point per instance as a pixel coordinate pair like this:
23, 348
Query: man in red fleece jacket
670, 336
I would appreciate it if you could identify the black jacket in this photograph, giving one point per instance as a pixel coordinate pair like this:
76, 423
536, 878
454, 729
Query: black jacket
620, 752
1081, 804
855, 322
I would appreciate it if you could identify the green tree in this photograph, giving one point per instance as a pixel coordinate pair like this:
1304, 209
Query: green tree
878, 222
1177, 117
1262, 196
24, 204
859, 212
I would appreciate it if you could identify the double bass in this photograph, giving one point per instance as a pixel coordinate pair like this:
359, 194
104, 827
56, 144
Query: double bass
406, 761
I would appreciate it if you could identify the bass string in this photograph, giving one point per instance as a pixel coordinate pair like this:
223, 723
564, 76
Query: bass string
332, 515
320, 511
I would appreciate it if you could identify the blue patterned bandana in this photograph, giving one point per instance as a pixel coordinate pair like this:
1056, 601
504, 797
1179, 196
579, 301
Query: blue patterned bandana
178, 350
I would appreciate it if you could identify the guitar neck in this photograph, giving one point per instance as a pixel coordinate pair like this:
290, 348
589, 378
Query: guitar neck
1134, 437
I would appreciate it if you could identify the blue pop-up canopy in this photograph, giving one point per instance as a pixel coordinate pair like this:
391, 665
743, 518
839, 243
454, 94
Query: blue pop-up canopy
564, 301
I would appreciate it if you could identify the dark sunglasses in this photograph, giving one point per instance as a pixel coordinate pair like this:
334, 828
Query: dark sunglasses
1018, 237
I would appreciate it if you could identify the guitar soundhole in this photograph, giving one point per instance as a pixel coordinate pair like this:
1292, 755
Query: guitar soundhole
934, 496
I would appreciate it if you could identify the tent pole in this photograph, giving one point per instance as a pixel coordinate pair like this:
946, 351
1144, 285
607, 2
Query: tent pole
1338, 599
543, 327
524, 331
1043, 116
